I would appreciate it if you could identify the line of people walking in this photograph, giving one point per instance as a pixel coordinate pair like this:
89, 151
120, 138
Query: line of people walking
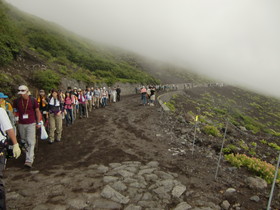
21, 119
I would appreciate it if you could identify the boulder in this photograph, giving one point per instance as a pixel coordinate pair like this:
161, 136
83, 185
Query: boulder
256, 183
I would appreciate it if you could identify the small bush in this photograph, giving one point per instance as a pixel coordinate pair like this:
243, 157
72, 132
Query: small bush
171, 105
211, 130
47, 79
230, 149
259, 167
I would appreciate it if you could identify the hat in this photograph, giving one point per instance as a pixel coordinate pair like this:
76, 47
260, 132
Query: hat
79, 89
22, 89
75, 88
3, 96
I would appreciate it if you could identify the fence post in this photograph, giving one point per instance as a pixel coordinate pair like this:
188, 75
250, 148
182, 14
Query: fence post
220, 156
273, 184
196, 119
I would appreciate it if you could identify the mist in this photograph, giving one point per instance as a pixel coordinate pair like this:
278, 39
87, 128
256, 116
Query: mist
234, 41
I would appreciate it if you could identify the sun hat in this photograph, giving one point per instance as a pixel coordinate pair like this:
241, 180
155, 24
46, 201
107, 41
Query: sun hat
23, 89
2, 95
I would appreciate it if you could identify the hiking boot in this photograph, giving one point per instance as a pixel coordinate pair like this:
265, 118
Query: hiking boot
58, 140
28, 164
50, 142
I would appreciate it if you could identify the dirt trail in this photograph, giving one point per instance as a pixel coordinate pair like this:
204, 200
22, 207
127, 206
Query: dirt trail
124, 131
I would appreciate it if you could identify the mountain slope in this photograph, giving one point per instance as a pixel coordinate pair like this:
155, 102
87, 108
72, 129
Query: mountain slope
36, 51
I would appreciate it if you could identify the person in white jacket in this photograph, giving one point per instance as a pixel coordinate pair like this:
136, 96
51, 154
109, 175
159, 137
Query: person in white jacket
114, 95
6, 129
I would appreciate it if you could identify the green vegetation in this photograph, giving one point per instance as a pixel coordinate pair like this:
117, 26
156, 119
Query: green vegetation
47, 79
257, 166
67, 54
231, 148
171, 105
211, 130
274, 145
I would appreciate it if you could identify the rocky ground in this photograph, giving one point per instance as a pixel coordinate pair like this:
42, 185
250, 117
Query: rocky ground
127, 156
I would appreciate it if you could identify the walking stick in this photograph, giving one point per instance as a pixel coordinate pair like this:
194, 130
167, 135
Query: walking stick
87, 109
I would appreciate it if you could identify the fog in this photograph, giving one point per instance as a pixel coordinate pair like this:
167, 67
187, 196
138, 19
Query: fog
234, 41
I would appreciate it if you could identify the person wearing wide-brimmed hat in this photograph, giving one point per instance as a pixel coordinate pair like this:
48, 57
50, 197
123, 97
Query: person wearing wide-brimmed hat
26, 108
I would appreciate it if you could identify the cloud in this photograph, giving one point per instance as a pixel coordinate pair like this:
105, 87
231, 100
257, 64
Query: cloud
236, 41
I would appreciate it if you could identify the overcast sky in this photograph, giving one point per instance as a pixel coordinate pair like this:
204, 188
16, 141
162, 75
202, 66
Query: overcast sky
237, 41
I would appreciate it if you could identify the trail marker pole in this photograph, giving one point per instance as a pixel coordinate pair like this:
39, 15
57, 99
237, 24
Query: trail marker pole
273, 184
221, 151
195, 126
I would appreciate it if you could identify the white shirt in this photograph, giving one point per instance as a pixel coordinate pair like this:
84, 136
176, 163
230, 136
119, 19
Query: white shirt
5, 123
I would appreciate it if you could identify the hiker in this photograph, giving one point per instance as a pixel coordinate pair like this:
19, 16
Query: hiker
118, 93
68, 106
104, 96
6, 130
89, 95
97, 97
43, 102
148, 95
143, 95
114, 95
76, 106
55, 109
8, 108
82, 103
110, 95
152, 96
27, 109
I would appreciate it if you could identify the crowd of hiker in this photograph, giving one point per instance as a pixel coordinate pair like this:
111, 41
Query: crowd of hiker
22, 118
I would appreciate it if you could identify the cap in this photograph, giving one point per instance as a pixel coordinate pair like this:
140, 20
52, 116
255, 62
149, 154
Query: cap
3, 96
22, 89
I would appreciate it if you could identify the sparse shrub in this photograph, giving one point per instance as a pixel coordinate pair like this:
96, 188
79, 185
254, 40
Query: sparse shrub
274, 145
257, 166
263, 141
272, 132
171, 105
46, 79
254, 144
257, 106
231, 148
243, 145
211, 130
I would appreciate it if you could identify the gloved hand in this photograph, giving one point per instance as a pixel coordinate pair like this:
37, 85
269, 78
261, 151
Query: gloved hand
16, 150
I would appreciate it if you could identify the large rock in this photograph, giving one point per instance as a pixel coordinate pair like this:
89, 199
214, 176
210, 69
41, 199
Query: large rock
255, 198
178, 190
119, 186
183, 206
77, 203
225, 205
106, 204
256, 183
109, 193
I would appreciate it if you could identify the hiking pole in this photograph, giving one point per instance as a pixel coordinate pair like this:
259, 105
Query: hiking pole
87, 109
273, 184
195, 126
221, 151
